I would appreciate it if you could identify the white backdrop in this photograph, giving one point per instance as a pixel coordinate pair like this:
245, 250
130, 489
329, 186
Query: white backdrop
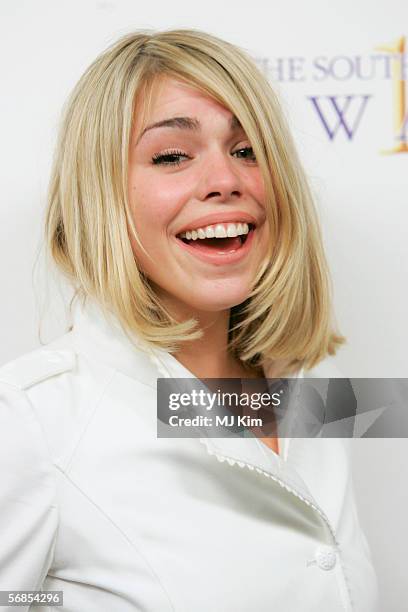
334, 68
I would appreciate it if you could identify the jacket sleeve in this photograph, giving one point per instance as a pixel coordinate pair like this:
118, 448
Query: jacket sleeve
28, 510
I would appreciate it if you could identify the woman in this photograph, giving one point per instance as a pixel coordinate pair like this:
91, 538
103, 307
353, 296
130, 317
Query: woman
180, 213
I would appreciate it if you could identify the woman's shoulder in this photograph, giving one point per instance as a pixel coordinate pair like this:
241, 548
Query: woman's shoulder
37, 365
50, 365
47, 395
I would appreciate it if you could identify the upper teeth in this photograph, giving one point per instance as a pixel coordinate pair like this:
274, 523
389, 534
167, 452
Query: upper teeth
227, 230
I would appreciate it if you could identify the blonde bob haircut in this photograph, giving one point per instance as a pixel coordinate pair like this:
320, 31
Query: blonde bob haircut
287, 316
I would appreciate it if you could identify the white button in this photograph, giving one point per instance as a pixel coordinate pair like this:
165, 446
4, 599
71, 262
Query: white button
325, 557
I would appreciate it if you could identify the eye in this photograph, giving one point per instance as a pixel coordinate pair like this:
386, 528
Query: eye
248, 153
171, 158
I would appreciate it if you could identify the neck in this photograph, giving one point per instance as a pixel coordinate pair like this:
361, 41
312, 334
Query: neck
208, 357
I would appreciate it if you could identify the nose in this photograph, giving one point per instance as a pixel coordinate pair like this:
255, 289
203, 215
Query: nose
219, 179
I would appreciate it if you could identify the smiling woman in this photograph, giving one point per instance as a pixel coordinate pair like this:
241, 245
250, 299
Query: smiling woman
189, 128
180, 212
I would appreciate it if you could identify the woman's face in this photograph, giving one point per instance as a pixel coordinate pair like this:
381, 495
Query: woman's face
193, 169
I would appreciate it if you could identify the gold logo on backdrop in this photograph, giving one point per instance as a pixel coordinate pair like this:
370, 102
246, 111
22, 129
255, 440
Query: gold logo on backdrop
399, 95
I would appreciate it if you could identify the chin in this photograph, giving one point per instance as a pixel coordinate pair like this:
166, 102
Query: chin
214, 296
219, 302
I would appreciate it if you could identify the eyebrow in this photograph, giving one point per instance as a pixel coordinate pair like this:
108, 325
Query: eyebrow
186, 123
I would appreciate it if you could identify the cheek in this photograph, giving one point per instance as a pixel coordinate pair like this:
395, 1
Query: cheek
258, 187
155, 200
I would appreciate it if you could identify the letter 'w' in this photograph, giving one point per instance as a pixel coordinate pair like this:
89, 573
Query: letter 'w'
341, 113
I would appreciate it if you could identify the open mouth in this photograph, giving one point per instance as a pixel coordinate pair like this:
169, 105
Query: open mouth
217, 245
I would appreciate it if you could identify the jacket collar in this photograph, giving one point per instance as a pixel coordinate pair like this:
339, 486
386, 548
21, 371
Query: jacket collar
101, 338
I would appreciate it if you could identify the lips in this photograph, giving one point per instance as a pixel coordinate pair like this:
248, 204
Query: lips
219, 251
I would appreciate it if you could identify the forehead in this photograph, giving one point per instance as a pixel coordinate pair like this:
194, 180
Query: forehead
168, 97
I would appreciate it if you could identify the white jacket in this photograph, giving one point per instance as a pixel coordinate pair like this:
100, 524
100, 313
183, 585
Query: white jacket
94, 504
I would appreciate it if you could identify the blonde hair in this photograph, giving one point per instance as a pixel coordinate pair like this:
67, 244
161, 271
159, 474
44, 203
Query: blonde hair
287, 316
